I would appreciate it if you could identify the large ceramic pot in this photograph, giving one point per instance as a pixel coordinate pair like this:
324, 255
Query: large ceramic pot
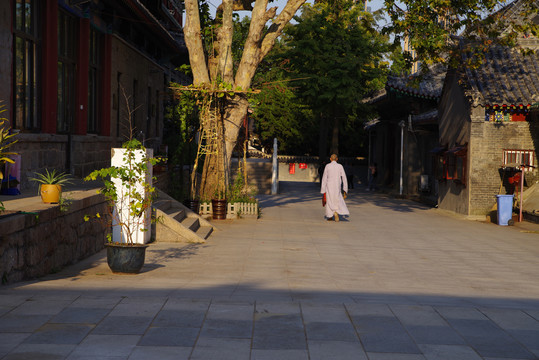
218, 209
194, 205
124, 258
50, 193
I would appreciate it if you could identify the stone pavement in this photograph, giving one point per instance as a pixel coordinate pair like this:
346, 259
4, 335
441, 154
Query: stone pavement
396, 280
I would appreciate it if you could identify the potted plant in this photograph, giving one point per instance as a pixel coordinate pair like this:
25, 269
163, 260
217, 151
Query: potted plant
129, 192
8, 186
50, 185
193, 200
193, 203
6, 140
218, 202
242, 197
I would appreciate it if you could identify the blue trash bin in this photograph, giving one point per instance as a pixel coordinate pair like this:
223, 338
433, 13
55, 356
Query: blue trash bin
505, 209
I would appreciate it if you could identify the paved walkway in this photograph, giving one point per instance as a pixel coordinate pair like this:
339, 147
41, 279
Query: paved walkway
396, 281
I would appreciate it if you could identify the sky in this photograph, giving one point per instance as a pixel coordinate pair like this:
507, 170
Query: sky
374, 5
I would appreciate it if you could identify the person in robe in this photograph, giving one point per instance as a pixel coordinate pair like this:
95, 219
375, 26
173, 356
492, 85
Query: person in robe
335, 186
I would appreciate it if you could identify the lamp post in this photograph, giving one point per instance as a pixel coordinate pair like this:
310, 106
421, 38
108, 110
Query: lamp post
275, 170
401, 124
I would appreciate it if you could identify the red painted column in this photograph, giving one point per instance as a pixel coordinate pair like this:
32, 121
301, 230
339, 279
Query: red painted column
83, 60
106, 84
49, 67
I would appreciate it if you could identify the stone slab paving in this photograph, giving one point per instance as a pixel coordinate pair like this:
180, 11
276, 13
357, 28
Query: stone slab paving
395, 280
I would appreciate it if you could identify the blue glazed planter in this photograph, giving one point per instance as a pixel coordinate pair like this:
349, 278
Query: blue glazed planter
127, 259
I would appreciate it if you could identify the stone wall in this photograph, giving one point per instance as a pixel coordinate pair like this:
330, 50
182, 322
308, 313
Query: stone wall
48, 151
90, 153
36, 244
455, 128
488, 142
139, 81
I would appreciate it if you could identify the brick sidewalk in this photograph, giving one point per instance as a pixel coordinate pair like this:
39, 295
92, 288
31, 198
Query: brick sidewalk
396, 280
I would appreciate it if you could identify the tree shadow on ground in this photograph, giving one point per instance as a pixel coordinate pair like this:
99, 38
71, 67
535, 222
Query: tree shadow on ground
297, 192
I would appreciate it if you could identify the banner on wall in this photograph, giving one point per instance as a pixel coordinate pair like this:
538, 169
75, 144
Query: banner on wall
302, 165
292, 168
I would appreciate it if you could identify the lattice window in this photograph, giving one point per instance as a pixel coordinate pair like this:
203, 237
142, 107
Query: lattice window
519, 157
27, 64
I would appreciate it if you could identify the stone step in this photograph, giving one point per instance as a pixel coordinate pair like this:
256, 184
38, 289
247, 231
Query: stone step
191, 223
177, 214
177, 223
204, 231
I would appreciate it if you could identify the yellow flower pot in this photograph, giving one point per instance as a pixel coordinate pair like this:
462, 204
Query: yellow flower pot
50, 194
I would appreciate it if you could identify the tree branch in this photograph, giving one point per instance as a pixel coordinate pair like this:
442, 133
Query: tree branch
251, 50
278, 25
224, 39
193, 40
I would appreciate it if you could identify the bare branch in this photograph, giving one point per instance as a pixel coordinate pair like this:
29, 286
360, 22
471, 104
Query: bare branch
251, 50
225, 43
193, 40
278, 25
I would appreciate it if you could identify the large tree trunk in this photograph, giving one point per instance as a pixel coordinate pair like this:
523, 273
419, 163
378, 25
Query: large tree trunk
258, 43
335, 136
216, 171
323, 138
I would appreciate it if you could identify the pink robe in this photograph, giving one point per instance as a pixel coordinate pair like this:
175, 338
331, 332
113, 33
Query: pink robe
333, 176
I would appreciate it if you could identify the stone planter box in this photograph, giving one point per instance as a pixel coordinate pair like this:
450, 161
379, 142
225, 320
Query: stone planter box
37, 243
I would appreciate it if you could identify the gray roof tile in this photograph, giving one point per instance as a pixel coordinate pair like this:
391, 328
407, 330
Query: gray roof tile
505, 77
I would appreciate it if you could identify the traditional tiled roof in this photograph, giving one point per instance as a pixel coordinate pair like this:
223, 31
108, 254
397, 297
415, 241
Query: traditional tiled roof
430, 86
506, 77
426, 117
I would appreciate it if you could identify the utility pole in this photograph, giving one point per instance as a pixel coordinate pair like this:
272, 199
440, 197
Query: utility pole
401, 124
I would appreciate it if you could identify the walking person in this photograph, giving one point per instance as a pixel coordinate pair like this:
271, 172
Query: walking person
335, 188
373, 173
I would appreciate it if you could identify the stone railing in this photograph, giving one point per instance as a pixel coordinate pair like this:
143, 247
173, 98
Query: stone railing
42, 239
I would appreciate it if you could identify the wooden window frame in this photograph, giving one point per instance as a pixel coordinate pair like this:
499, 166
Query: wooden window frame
67, 64
455, 164
517, 155
95, 54
27, 65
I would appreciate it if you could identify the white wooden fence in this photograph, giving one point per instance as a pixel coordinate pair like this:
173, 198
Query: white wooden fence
234, 210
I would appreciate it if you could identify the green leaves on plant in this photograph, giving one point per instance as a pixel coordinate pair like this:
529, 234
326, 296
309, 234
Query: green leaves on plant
52, 178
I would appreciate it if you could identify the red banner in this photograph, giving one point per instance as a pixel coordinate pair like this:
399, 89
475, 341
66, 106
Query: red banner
292, 168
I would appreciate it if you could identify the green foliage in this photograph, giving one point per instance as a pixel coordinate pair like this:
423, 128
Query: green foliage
400, 62
239, 191
65, 203
279, 113
137, 193
335, 56
431, 26
52, 178
207, 25
241, 30
6, 140
181, 126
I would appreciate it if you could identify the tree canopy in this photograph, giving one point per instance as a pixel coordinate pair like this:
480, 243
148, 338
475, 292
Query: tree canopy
336, 54
434, 28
